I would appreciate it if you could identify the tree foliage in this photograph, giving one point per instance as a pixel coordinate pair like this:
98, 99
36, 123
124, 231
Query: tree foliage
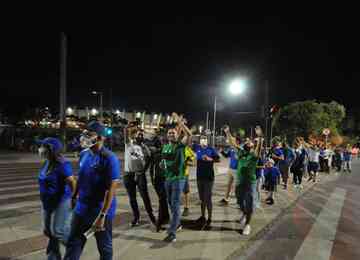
308, 118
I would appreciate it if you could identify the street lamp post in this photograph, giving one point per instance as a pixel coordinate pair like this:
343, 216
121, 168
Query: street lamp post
214, 127
236, 87
97, 93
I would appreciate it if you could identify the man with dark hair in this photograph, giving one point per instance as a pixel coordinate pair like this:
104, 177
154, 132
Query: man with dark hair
246, 176
99, 174
206, 156
137, 162
173, 167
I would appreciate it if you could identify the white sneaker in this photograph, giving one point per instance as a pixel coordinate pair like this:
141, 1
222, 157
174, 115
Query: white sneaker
243, 220
247, 230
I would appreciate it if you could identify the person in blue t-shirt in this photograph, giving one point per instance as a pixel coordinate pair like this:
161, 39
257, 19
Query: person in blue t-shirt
99, 174
259, 181
232, 153
271, 174
284, 165
206, 156
56, 184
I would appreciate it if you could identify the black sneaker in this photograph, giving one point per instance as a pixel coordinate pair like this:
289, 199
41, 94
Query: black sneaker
170, 238
207, 224
270, 201
223, 202
186, 212
200, 220
135, 223
153, 219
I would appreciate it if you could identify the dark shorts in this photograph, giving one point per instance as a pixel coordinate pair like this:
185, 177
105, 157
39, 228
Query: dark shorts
313, 167
205, 188
186, 186
245, 194
270, 183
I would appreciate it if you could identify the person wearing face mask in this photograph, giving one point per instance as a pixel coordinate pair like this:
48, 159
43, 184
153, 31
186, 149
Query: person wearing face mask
99, 174
205, 157
56, 184
137, 162
246, 176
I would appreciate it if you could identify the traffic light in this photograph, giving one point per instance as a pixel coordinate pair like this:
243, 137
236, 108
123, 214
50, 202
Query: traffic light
274, 109
108, 131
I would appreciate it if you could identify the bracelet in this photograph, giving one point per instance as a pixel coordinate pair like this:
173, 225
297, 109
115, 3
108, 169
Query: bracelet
102, 215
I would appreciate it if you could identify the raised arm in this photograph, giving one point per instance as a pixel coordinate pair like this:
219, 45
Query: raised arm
260, 141
230, 138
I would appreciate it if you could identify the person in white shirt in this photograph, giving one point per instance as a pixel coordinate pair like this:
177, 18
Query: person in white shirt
313, 167
136, 163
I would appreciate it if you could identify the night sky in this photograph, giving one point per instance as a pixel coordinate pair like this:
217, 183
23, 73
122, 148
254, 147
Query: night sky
181, 63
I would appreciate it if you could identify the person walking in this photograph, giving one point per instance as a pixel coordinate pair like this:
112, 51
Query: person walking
56, 185
95, 208
136, 164
206, 156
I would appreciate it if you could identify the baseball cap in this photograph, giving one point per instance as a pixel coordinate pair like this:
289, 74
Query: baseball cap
54, 144
95, 126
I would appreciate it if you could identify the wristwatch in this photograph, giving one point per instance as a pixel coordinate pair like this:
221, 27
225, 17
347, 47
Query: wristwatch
102, 215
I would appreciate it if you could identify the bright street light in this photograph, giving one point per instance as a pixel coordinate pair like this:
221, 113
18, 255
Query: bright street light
69, 111
237, 86
100, 94
94, 112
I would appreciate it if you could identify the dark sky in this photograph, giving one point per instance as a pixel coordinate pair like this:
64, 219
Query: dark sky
181, 63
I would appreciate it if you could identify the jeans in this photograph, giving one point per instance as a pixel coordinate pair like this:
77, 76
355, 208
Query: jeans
77, 240
56, 225
131, 181
257, 191
174, 189
347, 165
245, 197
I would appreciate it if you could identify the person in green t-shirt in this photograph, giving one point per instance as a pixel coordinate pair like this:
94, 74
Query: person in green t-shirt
173, 167
246, 176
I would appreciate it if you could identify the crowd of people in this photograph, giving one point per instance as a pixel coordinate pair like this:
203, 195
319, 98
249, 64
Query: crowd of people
75, 208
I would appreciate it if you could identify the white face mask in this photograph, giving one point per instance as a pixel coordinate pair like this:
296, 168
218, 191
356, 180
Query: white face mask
43, 152
87, 141
203, 142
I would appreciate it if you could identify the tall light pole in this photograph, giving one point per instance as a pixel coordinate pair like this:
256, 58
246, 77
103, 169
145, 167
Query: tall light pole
97, 93
214, 127
63, 54
236, 87
266, 115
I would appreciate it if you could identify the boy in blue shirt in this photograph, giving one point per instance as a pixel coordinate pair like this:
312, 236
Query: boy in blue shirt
271, 174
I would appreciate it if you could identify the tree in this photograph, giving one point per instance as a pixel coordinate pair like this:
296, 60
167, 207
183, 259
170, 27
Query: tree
308, 118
